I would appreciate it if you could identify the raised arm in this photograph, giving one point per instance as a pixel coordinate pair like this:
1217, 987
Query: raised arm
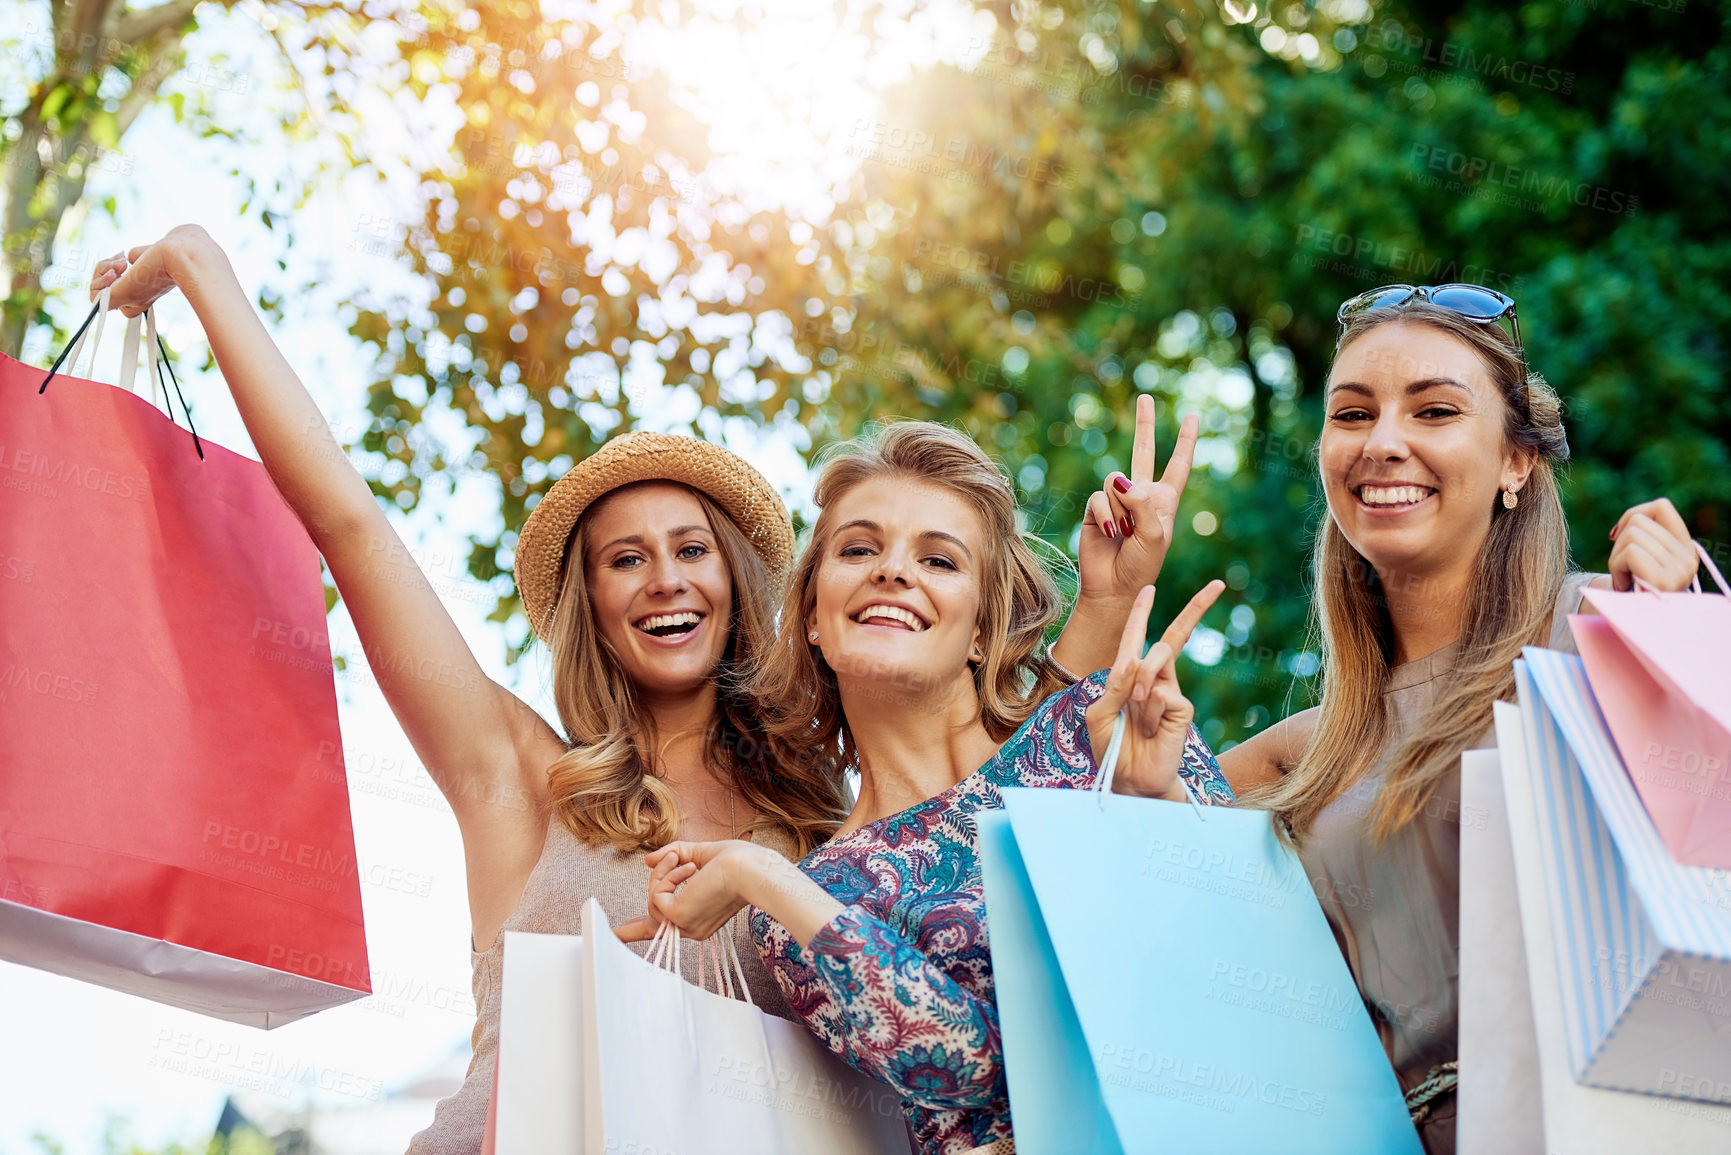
486, 749
1126, 534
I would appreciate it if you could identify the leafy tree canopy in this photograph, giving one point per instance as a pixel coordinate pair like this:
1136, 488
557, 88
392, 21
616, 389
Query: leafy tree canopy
1070, 204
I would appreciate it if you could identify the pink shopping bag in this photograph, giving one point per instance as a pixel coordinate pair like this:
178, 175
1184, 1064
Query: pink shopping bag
1660, 667
174, 815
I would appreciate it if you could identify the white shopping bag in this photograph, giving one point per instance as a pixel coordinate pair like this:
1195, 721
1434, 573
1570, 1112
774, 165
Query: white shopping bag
1578, 1119
672, 1069
538, 1094
1498, 1109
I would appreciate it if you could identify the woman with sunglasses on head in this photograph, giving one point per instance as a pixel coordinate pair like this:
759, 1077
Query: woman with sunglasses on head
1444, 552
908, 653
651, 570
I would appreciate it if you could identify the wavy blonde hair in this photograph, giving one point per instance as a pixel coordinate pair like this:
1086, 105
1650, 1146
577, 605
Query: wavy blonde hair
1508, 604
796, 692
605, 788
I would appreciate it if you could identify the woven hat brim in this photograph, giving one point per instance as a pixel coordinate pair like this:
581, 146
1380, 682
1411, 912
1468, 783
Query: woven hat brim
717, 473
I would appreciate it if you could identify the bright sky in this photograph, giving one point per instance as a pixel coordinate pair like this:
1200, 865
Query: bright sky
80, 1053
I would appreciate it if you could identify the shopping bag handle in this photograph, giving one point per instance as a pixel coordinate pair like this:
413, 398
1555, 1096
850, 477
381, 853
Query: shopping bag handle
721, 961
128, 360
1109, 767
1695, 582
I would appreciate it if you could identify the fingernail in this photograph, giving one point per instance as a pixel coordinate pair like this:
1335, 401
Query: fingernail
1108, 528
1120, 485
1614, 533
1127, 526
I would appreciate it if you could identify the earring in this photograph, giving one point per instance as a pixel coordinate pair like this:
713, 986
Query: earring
813, 637
1509, 499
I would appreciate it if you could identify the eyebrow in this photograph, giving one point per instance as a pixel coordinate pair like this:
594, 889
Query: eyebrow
676, 531
1412, 387
874, 527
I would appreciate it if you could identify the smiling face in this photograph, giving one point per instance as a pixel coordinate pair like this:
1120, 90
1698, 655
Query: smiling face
659, 586
898, 587
1414, 449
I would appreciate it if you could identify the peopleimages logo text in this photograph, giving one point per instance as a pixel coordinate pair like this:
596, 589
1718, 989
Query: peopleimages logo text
46, 470
1477, 172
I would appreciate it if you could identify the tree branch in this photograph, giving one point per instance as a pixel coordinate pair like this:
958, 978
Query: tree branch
166, 52
133, 27
78, 26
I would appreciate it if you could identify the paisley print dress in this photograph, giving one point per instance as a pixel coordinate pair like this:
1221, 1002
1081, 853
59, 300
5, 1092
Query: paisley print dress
900, 983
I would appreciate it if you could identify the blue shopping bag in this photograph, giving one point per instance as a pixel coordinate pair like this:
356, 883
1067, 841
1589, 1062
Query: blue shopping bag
1167, 982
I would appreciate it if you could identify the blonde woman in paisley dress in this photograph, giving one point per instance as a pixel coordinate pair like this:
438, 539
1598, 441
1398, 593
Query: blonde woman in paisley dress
908, 652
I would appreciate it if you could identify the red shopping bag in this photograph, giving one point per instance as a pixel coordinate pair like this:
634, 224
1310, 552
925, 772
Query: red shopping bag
174, 817
1657, 663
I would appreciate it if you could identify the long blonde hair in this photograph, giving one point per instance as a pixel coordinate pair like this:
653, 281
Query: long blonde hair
604, 788
796, 690
1508, 604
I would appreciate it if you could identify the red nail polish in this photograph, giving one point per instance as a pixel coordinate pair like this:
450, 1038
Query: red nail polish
1126, 525
1120, 485
1108, 528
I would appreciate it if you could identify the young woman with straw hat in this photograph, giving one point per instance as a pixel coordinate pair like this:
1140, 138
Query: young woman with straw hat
651, 570
1443, 552
645, 568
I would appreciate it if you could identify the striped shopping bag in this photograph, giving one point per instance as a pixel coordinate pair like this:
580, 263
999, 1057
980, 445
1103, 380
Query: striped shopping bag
1643, 941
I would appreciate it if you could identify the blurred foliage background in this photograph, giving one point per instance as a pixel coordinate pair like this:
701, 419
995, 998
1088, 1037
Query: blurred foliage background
1048, 208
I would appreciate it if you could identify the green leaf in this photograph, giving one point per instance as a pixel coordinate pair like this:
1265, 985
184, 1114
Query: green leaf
56, 101
105, 129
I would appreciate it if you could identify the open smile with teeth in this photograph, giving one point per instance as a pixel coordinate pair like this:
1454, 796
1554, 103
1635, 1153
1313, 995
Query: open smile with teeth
891, 615
1393, 495
670, 625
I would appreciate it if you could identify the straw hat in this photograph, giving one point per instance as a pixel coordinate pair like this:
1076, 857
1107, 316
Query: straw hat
723, 477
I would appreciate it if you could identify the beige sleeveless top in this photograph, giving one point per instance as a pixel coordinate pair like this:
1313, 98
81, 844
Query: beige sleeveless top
567, 875
1395, 910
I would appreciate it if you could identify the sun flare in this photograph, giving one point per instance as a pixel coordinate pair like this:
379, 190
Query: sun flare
788, 87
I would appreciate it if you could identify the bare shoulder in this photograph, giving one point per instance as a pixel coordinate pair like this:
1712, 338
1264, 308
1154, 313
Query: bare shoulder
1263, 758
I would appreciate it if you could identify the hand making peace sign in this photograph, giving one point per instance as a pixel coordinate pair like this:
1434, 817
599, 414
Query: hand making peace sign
1145, 687
1129, 524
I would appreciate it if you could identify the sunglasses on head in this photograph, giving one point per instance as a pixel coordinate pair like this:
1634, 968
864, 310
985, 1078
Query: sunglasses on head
1474, 302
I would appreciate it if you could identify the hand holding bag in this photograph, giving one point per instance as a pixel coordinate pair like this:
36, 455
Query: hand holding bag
1660, 668
670, 1067
174, 817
